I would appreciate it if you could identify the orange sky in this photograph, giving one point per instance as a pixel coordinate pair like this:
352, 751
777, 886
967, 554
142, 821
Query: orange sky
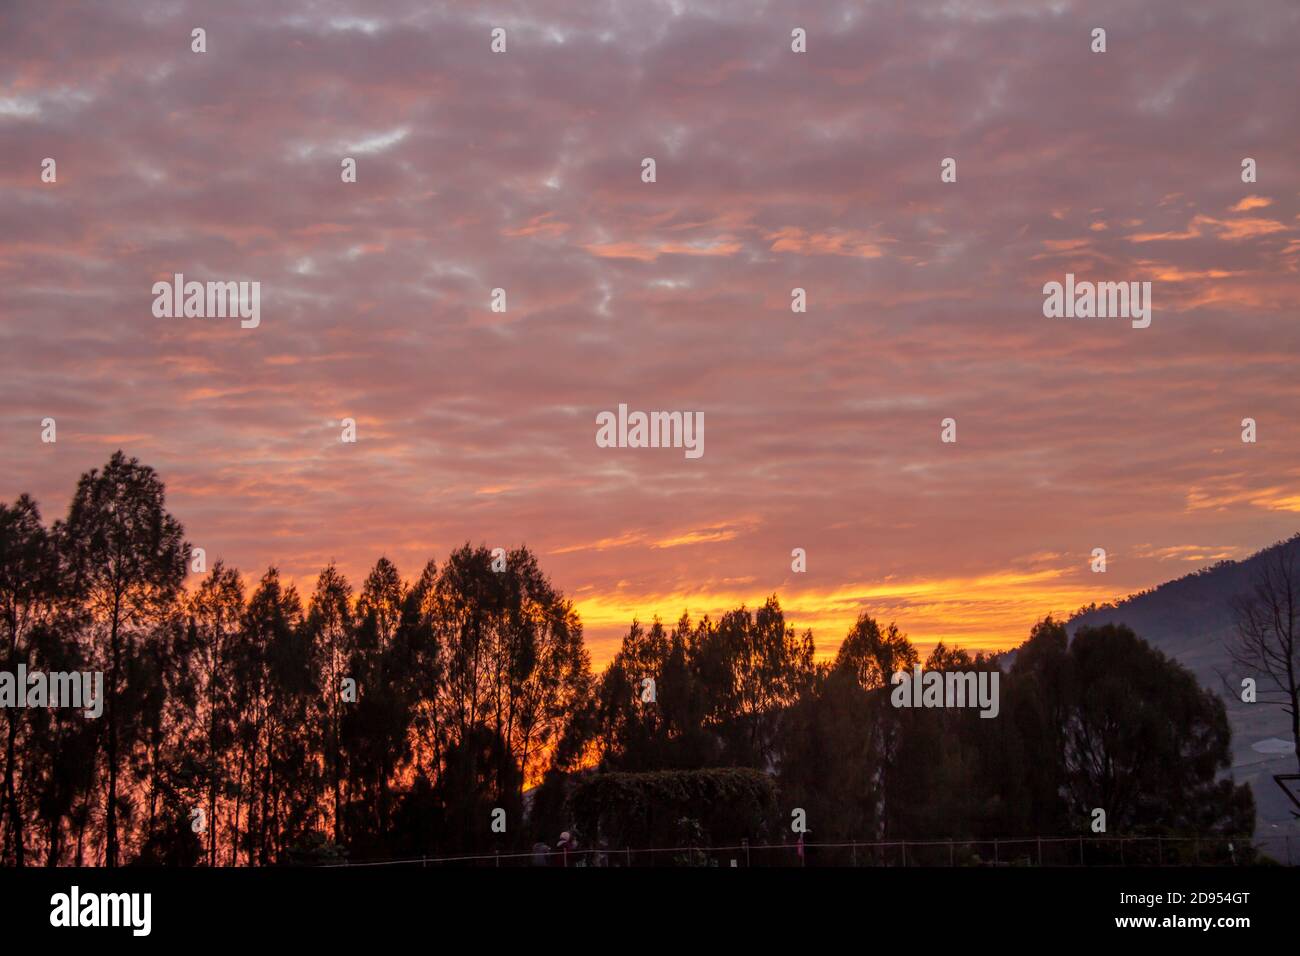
776, 171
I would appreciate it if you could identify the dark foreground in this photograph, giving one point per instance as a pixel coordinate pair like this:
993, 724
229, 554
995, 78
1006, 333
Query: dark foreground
591, 908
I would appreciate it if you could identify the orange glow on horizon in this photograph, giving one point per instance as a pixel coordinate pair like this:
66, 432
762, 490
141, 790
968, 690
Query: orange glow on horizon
991, 612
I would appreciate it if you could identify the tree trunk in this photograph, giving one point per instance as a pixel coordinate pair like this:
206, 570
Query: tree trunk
15, 831
110, 816
239, 799
212, 771
1295, 721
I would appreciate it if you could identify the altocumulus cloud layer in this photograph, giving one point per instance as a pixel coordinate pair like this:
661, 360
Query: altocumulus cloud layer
775, 170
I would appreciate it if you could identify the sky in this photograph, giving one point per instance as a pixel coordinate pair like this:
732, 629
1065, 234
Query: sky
775, 170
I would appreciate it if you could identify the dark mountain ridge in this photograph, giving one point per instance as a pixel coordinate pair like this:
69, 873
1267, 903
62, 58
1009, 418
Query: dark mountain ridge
1191, 619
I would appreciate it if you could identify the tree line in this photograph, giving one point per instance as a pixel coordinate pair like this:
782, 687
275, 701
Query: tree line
257, 726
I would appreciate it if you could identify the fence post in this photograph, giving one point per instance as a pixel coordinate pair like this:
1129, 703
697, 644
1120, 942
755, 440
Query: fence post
1081, 851
1040, 851
952, 854
629, 856
498, 853
996, 858
855, 853
424, 860
903, 844
745, 841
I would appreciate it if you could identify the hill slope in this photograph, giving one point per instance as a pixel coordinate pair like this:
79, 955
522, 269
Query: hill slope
1191, 620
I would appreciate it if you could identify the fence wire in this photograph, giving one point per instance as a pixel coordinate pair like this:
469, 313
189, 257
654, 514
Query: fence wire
1093, 850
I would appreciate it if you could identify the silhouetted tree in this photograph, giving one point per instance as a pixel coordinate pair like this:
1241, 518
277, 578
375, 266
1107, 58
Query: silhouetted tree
278, 778
829, 757
949, 775
376, 727
331, 633
873, 656
127, 559
512, 654
1142, 740
217, 617
1036, 709
752, 666
1267, 639
28, 592
473, 684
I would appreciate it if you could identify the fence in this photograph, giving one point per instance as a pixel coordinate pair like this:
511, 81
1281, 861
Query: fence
1092, 850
